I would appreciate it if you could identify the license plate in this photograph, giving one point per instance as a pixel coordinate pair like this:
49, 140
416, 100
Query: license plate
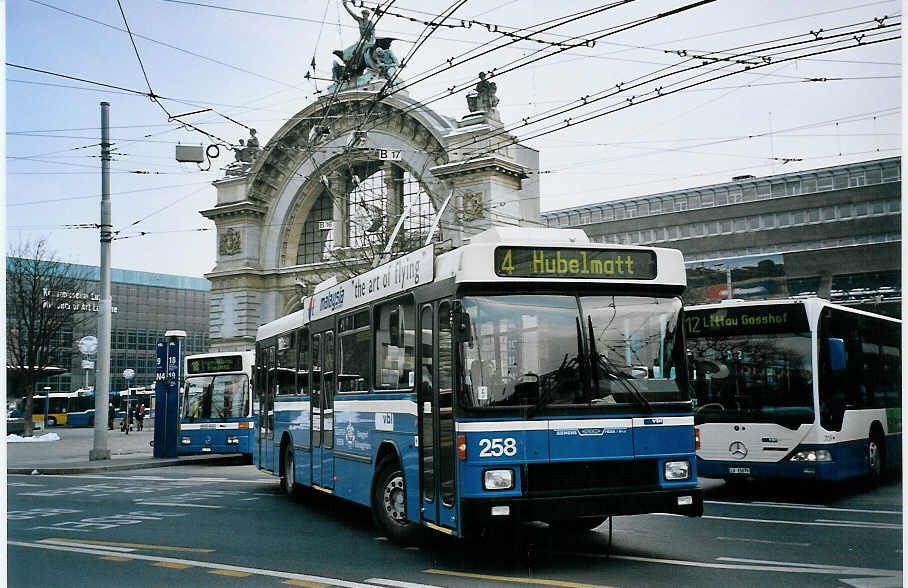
738, 470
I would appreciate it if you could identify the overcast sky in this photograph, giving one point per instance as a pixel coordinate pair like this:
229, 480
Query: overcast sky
248, 61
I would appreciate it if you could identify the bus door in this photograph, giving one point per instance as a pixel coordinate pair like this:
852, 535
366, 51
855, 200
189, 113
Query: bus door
322, 409
436, 417
268, 374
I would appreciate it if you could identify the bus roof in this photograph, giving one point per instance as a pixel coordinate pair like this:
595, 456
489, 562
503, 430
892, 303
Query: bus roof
815, 301
497, 255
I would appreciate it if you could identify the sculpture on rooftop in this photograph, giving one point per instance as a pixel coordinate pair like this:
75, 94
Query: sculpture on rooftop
245, 154
482, 98
368, 60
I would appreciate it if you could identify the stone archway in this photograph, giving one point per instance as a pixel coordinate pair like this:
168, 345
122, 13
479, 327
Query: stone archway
327, 190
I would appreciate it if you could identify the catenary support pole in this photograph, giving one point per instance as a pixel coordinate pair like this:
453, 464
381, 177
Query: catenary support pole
102, 378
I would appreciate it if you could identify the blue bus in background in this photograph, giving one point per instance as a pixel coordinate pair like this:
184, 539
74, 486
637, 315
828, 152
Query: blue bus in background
81, 403
216, 404
528, 375
81, 411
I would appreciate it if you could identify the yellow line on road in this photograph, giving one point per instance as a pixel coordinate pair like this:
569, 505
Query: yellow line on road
233, 573
540, 581
116, 558
171, 564
136, 545
305, 583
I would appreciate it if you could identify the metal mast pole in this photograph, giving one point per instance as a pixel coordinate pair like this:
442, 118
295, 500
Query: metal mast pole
102, 380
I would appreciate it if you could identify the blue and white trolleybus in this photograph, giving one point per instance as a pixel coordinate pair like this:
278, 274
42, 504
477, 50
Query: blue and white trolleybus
797, 388
216, 404
527, 375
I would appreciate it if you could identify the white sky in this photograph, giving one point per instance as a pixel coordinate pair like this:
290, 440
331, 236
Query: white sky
251, 67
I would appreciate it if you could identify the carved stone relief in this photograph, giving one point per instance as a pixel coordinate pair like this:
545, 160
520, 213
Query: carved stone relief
231, 242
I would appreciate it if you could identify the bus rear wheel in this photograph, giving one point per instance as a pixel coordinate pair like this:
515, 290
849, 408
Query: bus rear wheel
389, 502
288, 474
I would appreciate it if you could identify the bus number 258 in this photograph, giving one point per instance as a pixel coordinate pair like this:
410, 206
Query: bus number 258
498, 447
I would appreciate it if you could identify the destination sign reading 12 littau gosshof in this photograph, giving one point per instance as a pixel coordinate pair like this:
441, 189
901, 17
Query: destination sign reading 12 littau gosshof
557, 262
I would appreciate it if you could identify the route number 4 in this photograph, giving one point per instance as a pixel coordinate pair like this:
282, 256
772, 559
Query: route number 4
498, 447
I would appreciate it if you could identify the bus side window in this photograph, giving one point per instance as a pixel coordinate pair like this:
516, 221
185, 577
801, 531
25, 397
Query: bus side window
395, 345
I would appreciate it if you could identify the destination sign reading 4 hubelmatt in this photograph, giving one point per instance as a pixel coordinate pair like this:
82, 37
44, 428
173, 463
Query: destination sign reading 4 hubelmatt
555, 262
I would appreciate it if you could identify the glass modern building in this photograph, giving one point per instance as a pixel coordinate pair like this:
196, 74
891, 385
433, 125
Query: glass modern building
145, 306
834, 232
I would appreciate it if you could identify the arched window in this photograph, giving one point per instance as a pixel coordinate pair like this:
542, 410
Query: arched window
359, 209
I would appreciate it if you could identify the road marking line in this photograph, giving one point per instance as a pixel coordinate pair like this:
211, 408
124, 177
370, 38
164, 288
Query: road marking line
891, 582
233, 573
177, 563
398, 583
830, 567
67, 542
115, 558
171, 564
873, 523
115, 545
762, 541
194, 481
771, 567
805, 523
140, 501
516, 580
305, 583
803, 507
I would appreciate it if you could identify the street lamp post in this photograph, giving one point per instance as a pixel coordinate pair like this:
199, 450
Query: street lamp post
128, 374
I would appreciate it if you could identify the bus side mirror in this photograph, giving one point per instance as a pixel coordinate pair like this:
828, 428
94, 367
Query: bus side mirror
460, 319
837, 355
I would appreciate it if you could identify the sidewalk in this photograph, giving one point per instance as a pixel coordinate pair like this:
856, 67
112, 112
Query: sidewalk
69, 455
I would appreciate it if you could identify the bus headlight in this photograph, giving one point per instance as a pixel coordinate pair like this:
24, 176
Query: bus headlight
233, 440
185, 440
498, 479
812, 455
676, 470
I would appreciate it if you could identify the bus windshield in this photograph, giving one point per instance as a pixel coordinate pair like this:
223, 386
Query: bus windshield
755, 378
215, 397
558, 351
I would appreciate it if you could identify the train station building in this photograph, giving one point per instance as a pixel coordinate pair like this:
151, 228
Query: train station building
144, 306
833, 232
328, 191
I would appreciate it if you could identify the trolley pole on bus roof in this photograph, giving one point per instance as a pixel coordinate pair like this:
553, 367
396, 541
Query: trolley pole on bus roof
100, 450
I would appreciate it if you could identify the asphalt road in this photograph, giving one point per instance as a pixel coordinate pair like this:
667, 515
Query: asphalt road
215, 525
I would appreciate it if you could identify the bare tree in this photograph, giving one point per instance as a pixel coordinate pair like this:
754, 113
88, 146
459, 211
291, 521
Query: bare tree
45, 298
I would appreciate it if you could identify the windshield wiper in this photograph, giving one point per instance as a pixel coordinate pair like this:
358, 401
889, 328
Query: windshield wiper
599, 359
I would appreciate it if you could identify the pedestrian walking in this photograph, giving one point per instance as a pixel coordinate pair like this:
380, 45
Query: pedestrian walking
140, 417
111, 415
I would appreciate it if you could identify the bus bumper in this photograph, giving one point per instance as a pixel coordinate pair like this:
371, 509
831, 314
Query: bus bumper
829, 470
683, 501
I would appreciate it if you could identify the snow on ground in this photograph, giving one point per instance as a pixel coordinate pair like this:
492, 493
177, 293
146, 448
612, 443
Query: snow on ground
13, 438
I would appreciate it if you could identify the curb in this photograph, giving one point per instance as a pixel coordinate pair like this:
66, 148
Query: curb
113, 465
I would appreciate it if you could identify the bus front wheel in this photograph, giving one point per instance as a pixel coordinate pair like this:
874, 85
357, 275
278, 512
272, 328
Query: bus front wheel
875, 458
389, 502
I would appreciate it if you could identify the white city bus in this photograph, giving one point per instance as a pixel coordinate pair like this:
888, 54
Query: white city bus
797, 388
